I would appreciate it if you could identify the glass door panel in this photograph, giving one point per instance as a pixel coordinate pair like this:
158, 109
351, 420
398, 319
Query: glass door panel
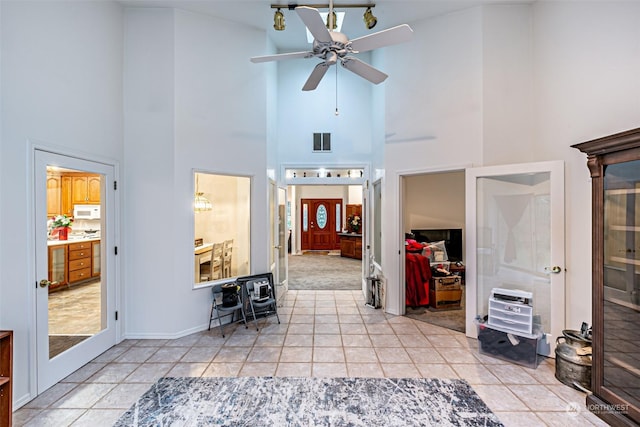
74, 292
282, 281
515, 241
622, 280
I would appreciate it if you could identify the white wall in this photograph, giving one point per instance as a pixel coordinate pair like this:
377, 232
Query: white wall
185, 108
61, 87
586, 68
300, 114
507, 88
434, 200
433, 125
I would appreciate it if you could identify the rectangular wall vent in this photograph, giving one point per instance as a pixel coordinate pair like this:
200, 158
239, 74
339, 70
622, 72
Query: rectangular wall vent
321, 142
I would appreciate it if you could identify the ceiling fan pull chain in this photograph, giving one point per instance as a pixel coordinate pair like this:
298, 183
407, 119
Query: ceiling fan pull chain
337, 112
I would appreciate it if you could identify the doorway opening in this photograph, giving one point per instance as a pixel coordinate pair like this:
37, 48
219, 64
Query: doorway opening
325, 237
433, 218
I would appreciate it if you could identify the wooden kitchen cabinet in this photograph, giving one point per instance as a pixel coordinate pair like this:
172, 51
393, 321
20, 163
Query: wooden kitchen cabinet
6, 377
72, 263
58, 266
95, 258
80, 260
54, 192
351, 245
58, 195
85, 189
65, 189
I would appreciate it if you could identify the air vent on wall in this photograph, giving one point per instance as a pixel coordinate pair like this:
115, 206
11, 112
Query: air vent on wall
321, 142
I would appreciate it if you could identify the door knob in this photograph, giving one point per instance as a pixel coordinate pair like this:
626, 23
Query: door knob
556, 269
44, 283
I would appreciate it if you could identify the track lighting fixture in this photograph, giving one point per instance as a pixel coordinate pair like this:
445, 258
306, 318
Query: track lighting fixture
278, 21
370, 21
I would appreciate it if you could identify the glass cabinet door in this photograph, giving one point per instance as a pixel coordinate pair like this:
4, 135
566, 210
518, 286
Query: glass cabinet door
95, 261
621, 247
57, 266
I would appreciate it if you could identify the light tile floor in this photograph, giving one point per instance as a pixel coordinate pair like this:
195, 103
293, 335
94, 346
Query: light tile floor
323, 333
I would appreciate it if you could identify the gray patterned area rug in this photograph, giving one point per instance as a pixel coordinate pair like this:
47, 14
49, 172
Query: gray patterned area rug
285, 401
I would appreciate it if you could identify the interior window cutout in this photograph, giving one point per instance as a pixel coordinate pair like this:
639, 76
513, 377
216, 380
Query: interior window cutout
222, 224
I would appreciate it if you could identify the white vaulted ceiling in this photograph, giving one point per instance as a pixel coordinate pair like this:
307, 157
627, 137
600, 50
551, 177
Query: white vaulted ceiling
259, 14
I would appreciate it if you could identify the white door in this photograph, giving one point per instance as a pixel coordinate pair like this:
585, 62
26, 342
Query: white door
367, 261
75, 289
281, 249
515, 240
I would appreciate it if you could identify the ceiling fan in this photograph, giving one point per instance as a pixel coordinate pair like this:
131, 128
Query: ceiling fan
334, 46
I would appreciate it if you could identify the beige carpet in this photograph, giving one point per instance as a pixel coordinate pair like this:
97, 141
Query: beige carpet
324, 272
450, 319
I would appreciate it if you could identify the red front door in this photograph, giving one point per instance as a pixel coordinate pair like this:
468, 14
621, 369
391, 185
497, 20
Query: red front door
321, 220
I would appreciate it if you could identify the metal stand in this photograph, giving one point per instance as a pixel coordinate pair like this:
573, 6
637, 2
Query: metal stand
373, 292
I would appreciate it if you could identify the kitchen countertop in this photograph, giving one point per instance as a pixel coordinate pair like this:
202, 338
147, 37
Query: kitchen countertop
72, 239
350, 234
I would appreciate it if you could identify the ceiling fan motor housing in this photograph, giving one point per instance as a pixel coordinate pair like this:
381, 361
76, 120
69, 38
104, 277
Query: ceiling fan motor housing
330, 51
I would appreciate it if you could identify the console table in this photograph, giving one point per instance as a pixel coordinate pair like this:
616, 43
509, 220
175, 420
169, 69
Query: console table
351, 245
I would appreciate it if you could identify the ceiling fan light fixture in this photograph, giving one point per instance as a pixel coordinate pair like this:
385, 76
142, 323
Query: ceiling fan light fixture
278, 21
370, 21
332, 20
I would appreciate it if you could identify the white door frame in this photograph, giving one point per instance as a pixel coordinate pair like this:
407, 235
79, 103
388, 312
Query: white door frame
111, 263
399, 303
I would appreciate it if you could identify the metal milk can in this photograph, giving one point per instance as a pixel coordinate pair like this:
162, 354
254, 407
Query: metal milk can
573, 359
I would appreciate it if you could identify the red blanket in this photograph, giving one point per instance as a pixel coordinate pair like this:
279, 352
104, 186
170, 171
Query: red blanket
418, 275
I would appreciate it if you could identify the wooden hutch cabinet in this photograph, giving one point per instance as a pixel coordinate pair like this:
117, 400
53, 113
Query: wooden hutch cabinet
6, 377
614, 164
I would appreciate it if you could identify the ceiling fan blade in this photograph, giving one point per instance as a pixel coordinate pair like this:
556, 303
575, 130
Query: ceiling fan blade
281, 56
394, 35
313, 21
316, 75
364, 70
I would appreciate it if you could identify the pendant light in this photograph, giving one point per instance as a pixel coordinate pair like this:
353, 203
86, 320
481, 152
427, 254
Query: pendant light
201, 203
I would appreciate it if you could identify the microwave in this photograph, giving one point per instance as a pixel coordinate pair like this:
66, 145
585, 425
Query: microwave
86, 212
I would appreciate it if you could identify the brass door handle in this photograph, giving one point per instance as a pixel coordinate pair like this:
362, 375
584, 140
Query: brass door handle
44, 283
556, 269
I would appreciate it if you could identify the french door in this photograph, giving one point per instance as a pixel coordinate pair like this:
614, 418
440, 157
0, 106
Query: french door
278, 238
75, 271
515, 240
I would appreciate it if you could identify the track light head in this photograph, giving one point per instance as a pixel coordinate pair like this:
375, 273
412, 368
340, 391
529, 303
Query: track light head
278, 21
370, 21
332, 20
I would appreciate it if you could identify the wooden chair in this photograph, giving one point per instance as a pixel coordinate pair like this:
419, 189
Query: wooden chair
227, 251
214, 272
